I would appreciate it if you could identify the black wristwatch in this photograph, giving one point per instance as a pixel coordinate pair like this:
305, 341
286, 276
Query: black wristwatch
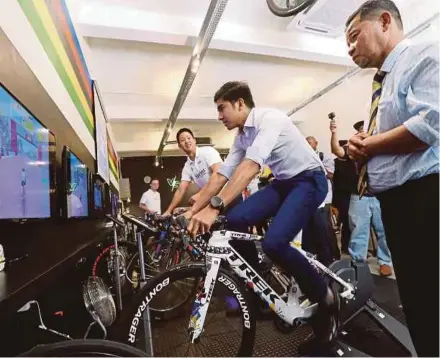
217, 203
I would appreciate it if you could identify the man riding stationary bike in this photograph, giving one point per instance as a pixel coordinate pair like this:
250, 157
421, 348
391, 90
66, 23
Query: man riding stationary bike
268, 136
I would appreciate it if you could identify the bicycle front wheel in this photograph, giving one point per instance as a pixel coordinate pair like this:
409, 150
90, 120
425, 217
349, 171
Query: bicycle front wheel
225, 333
84, 348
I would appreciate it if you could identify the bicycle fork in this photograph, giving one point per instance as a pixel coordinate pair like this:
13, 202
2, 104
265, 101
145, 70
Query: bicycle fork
201, 303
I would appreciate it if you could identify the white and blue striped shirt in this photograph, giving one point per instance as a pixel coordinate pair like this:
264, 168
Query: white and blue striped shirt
410, 97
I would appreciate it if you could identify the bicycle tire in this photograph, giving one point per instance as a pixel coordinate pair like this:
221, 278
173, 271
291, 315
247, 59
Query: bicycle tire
283, 12
106, 251
99, 267
126, 324
84, 348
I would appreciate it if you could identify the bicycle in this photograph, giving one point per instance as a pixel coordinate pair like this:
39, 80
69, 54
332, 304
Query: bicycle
351, 283
159, 254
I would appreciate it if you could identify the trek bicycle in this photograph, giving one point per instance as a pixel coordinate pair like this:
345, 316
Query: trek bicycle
226, 273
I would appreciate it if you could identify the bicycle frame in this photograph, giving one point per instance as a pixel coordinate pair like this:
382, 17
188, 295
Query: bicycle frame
290, 311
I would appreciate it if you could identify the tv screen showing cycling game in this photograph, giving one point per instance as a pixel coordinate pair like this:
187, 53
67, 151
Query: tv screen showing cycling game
25, 144
114, 204
77, 197
97, 192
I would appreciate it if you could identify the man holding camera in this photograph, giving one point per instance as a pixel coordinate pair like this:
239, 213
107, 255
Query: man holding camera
363, 211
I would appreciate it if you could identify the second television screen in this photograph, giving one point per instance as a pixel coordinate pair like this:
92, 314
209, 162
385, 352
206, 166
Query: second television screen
77, 200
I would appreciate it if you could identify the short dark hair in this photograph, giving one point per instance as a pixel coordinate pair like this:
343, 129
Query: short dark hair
183, 130
152, 180
372, 9
234, 90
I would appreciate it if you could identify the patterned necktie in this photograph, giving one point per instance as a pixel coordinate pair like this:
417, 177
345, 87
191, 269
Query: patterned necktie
377, 92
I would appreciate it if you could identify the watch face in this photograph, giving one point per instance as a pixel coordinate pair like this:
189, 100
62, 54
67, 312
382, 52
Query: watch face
216, 202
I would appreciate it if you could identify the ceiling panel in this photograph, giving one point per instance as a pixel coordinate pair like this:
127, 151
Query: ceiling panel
140, 67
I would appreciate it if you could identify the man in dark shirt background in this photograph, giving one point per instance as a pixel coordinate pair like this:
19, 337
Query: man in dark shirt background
344, 183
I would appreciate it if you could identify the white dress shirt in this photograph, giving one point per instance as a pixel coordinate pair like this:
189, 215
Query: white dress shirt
199, 169
151, 199
269, 137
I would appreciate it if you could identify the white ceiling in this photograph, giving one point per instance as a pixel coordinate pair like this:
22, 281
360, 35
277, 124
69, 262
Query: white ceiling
138, 50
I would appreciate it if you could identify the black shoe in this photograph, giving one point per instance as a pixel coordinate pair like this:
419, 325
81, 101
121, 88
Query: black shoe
314, 347
325, 325
318, 344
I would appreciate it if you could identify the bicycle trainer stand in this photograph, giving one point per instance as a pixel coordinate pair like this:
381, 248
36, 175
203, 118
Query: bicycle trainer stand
358, 273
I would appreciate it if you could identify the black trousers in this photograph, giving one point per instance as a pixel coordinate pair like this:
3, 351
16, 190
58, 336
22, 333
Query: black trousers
342, 203
320, 238
410, 214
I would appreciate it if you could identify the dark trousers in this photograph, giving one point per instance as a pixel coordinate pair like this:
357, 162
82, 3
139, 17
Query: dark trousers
342, 203
292, 203
410, 214
319, 237
238, 200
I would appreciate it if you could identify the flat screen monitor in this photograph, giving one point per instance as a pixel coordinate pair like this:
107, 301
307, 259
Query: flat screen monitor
114, 203
102, 165
98, 197
27, 163
77, 194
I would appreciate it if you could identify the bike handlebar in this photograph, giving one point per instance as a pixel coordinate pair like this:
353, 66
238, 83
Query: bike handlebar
183, 222
115, 220
180, 220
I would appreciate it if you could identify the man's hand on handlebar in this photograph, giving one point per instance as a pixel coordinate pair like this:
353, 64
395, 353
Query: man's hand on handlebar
201, 222
180, 211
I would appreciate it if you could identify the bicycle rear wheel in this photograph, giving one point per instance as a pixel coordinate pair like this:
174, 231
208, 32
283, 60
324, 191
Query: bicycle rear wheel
223, 335
84, 348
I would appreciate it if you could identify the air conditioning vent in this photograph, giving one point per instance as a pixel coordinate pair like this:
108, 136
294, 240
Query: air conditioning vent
326, 17
316, 30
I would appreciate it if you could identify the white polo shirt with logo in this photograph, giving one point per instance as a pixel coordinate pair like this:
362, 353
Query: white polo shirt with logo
151, 199
199, 169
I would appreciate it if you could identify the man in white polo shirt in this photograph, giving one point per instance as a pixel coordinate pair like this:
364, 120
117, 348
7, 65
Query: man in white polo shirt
200, 165
150, 200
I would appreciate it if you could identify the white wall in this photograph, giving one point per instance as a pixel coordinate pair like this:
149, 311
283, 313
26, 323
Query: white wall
350, 102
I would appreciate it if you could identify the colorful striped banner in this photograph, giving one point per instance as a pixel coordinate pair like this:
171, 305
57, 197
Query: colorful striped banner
113, 159
51, 22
